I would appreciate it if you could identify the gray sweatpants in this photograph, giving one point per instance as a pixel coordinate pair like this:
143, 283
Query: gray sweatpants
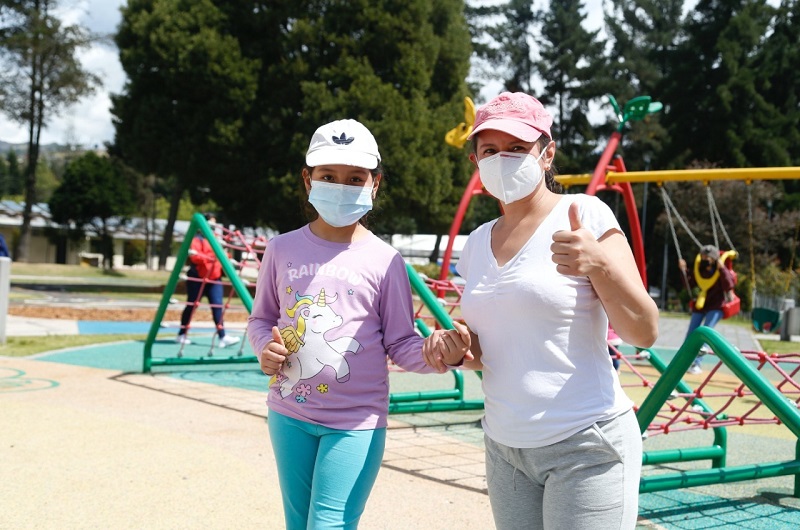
588, 481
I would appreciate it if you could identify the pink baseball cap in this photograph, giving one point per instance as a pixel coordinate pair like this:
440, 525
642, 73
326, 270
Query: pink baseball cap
514, 113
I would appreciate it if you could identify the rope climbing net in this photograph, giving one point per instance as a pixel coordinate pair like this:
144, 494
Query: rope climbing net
211, 290
223, 268
720, 399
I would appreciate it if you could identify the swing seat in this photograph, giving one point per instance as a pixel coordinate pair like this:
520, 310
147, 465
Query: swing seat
766, 320
731, 307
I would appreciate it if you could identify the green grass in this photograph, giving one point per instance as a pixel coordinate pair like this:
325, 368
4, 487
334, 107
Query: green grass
779, 346
26, 346
48, 270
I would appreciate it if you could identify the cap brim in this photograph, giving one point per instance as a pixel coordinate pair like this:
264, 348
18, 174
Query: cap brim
329, 157
515, 128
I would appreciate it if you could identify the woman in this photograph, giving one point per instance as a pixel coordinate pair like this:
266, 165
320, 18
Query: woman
563, 447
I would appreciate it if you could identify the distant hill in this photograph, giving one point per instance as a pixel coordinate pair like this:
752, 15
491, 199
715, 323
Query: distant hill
5, 147
20, 148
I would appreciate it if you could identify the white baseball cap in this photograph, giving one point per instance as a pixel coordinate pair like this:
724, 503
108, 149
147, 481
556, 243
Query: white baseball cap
345, 142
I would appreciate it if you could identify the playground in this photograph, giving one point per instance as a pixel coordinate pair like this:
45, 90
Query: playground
174, 433
93, 441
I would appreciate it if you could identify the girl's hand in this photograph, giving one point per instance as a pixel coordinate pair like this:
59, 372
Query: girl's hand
274, 353
447, 348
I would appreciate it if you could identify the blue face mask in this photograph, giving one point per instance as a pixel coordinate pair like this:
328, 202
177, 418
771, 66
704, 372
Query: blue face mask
339, 204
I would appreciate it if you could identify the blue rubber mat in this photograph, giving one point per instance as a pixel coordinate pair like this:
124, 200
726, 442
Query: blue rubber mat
685, 510
110, 327
122, 356
128, 357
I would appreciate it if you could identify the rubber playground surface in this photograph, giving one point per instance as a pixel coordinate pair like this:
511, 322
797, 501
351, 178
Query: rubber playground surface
88, 441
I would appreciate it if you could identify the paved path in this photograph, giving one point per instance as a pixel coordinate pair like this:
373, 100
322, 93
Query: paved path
87, 447
672, 332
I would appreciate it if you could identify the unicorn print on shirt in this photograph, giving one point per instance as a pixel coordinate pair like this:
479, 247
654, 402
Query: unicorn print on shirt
309, 351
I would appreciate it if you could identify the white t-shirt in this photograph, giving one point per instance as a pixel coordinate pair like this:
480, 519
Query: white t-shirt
547, 372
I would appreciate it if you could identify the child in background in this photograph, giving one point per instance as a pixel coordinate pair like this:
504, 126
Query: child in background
332, 301
204, 278
711, 312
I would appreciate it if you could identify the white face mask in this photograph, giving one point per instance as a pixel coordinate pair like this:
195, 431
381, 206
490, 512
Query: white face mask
511, 176
339, 204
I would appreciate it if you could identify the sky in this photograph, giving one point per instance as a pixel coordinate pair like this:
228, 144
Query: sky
88, 123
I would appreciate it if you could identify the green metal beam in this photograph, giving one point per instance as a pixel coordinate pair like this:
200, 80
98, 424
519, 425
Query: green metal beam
198, 223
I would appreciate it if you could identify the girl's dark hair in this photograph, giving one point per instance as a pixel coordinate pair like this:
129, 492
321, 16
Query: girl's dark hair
549, 174
310, 212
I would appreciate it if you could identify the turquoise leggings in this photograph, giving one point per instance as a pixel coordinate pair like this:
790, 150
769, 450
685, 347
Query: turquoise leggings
325, 474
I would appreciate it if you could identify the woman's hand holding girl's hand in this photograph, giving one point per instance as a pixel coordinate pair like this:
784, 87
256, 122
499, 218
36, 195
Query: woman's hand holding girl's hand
273, 354
447, 347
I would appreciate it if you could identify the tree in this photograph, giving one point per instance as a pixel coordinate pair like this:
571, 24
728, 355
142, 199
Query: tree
772, 234
778, 80
94, 191
40, 75
501, 35
396, 66
4, 184
714, 108
640, 34
571, 67
15, 179
180, 113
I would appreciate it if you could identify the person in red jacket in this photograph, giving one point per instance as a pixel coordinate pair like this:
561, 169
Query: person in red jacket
711, 312
203, 278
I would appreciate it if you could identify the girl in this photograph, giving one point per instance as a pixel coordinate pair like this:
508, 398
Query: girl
332, 301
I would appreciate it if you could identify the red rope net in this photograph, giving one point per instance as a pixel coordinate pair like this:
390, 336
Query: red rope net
727, 401
244, 252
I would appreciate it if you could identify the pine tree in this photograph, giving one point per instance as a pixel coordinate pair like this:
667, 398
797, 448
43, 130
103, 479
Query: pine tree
501, 37
778, 79
3, 178
714, 108
640, 33
571, 69
180, 113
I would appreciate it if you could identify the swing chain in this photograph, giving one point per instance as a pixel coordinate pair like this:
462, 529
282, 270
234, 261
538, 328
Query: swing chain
712, 206
669, 208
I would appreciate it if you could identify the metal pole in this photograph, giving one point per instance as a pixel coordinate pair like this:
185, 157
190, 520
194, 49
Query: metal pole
644, 211
5, 288
664, 294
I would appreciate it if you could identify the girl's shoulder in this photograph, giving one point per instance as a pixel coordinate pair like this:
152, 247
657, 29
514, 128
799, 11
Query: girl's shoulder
378, 246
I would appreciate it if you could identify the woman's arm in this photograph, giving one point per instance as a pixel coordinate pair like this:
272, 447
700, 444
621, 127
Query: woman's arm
632, 312
609, 264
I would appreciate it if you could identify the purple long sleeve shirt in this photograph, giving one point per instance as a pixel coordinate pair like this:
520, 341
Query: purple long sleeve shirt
340, 308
